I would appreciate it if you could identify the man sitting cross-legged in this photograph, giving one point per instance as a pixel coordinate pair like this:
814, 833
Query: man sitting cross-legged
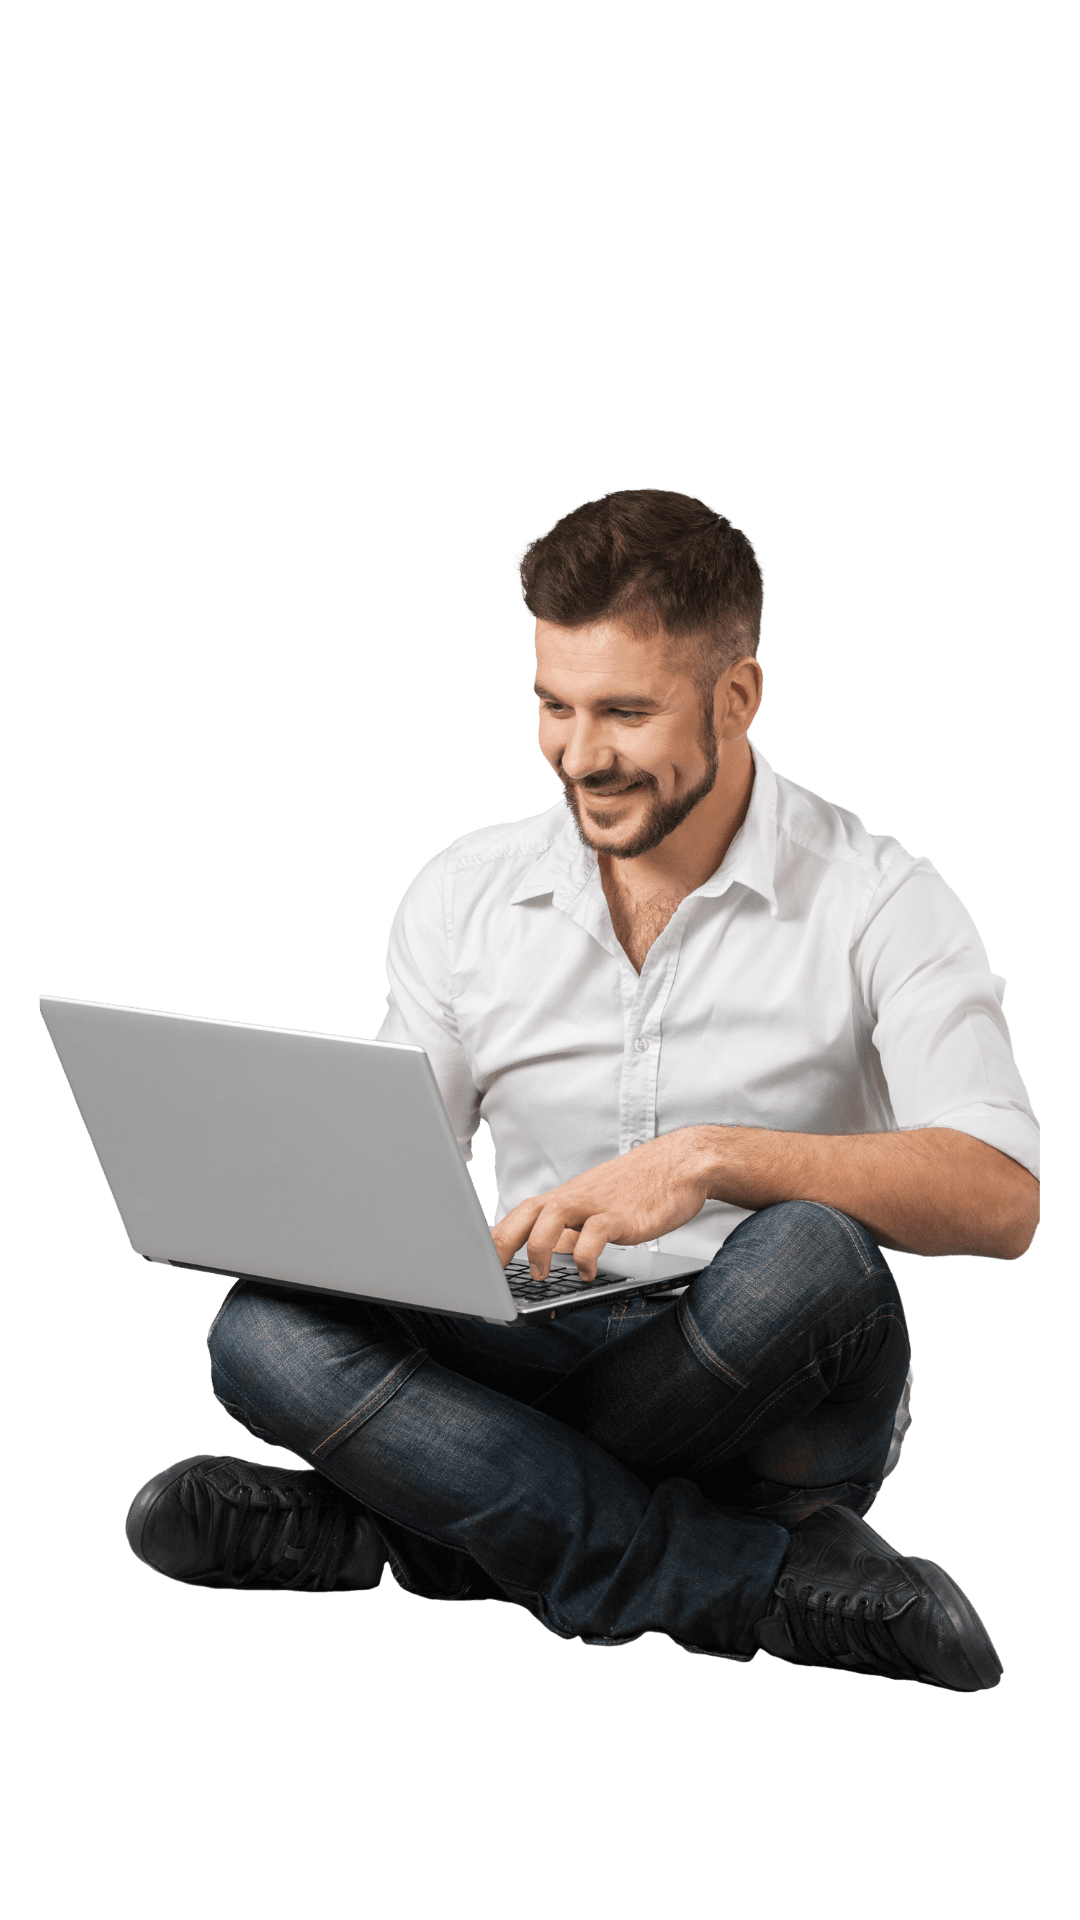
706, 1011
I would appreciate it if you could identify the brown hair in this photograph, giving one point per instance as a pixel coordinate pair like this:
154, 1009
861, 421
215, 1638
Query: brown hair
657, 562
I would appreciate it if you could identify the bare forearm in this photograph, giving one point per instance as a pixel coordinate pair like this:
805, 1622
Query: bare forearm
932, 1191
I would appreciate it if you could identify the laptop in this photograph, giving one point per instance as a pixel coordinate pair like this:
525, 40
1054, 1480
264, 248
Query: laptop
309, 1161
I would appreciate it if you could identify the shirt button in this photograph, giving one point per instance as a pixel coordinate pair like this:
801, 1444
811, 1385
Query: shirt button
641, 1045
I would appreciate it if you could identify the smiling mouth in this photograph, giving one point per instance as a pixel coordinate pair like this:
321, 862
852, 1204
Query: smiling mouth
608, 793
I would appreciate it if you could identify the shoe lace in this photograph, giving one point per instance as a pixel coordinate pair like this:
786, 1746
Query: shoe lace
289, 1537
836, 1629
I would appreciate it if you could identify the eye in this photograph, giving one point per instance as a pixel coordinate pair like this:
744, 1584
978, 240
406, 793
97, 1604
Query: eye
554, 706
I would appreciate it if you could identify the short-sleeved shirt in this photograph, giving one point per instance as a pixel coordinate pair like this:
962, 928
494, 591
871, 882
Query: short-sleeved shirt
822, 980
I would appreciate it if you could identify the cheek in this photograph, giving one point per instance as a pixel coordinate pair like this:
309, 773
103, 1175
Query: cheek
653, 757
551, 737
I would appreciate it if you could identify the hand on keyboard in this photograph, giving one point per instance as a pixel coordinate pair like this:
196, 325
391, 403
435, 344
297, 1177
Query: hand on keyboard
562, 1281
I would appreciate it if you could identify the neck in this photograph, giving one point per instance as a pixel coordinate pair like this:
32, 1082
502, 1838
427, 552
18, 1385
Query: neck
686, 859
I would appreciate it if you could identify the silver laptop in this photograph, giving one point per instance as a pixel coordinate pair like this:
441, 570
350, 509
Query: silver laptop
305, 1160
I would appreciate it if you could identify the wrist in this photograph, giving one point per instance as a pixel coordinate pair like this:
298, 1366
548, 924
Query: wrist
751, 1166
717, 1158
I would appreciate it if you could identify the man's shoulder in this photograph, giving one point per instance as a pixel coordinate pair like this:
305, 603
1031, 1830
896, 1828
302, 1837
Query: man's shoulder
809, 827
488, 865
507, 847
490, 859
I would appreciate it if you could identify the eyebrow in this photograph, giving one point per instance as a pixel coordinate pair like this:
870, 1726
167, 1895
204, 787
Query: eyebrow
639, 700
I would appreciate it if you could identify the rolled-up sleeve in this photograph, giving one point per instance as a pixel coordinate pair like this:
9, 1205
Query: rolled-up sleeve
419, 1005
936, 1013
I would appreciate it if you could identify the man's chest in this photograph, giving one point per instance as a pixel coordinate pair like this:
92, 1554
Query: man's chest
719, 981
638, 920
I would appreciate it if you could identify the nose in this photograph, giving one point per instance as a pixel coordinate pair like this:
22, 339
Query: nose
585, 750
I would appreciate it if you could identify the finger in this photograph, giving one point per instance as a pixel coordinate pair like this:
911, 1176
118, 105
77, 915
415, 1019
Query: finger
567, 1240
550, 1225
514, 1229
592, 1240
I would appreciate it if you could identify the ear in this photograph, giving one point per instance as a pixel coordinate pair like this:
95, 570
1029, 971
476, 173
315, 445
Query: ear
737, 698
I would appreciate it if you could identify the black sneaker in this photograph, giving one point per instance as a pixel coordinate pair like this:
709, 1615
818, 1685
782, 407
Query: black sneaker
845, 1598
219, 1522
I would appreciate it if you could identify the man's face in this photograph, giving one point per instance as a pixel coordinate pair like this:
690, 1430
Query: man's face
626, 728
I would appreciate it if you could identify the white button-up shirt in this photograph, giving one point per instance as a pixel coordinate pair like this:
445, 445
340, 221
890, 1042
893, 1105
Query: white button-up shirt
821, 981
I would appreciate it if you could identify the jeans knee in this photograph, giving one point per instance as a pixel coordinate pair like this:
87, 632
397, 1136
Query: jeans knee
811, 1229
796, 1264
233, 1340
811, 1245
304, 1373
239, 1345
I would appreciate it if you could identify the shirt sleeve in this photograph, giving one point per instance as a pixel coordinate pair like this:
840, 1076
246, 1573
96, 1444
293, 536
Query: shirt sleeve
419, 1007
936, 1009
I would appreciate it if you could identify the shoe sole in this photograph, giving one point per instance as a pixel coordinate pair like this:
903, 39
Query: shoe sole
146, 1498
976, 1645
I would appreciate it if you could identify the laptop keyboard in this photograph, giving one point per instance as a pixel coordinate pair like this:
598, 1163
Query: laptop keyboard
532, 1292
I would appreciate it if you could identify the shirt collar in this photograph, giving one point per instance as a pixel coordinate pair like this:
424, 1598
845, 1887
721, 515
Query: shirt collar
751, 857
565, 867
562, 870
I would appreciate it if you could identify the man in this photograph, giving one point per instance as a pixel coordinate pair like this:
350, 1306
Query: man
708, 1012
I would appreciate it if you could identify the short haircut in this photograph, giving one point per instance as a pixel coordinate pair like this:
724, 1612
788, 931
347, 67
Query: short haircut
657, 562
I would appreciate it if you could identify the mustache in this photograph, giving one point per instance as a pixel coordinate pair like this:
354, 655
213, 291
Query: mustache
610, 781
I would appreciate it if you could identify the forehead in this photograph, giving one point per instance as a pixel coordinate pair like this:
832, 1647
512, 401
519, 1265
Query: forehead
605, 656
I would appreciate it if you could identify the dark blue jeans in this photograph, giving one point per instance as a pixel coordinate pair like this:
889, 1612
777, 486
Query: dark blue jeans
624, 1469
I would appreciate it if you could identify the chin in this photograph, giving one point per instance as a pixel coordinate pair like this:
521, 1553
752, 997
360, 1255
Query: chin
607, 840
611, 835
619, 824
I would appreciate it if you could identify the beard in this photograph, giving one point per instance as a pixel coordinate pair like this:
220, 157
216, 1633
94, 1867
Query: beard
661, 816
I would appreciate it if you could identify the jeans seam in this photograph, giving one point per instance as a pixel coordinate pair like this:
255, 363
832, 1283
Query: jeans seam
357, 1418
702, 1351
741, 1433
868, 1266
615, 1321
375, 1401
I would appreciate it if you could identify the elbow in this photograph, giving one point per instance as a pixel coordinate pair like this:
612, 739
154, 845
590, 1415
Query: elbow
1018, 1220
